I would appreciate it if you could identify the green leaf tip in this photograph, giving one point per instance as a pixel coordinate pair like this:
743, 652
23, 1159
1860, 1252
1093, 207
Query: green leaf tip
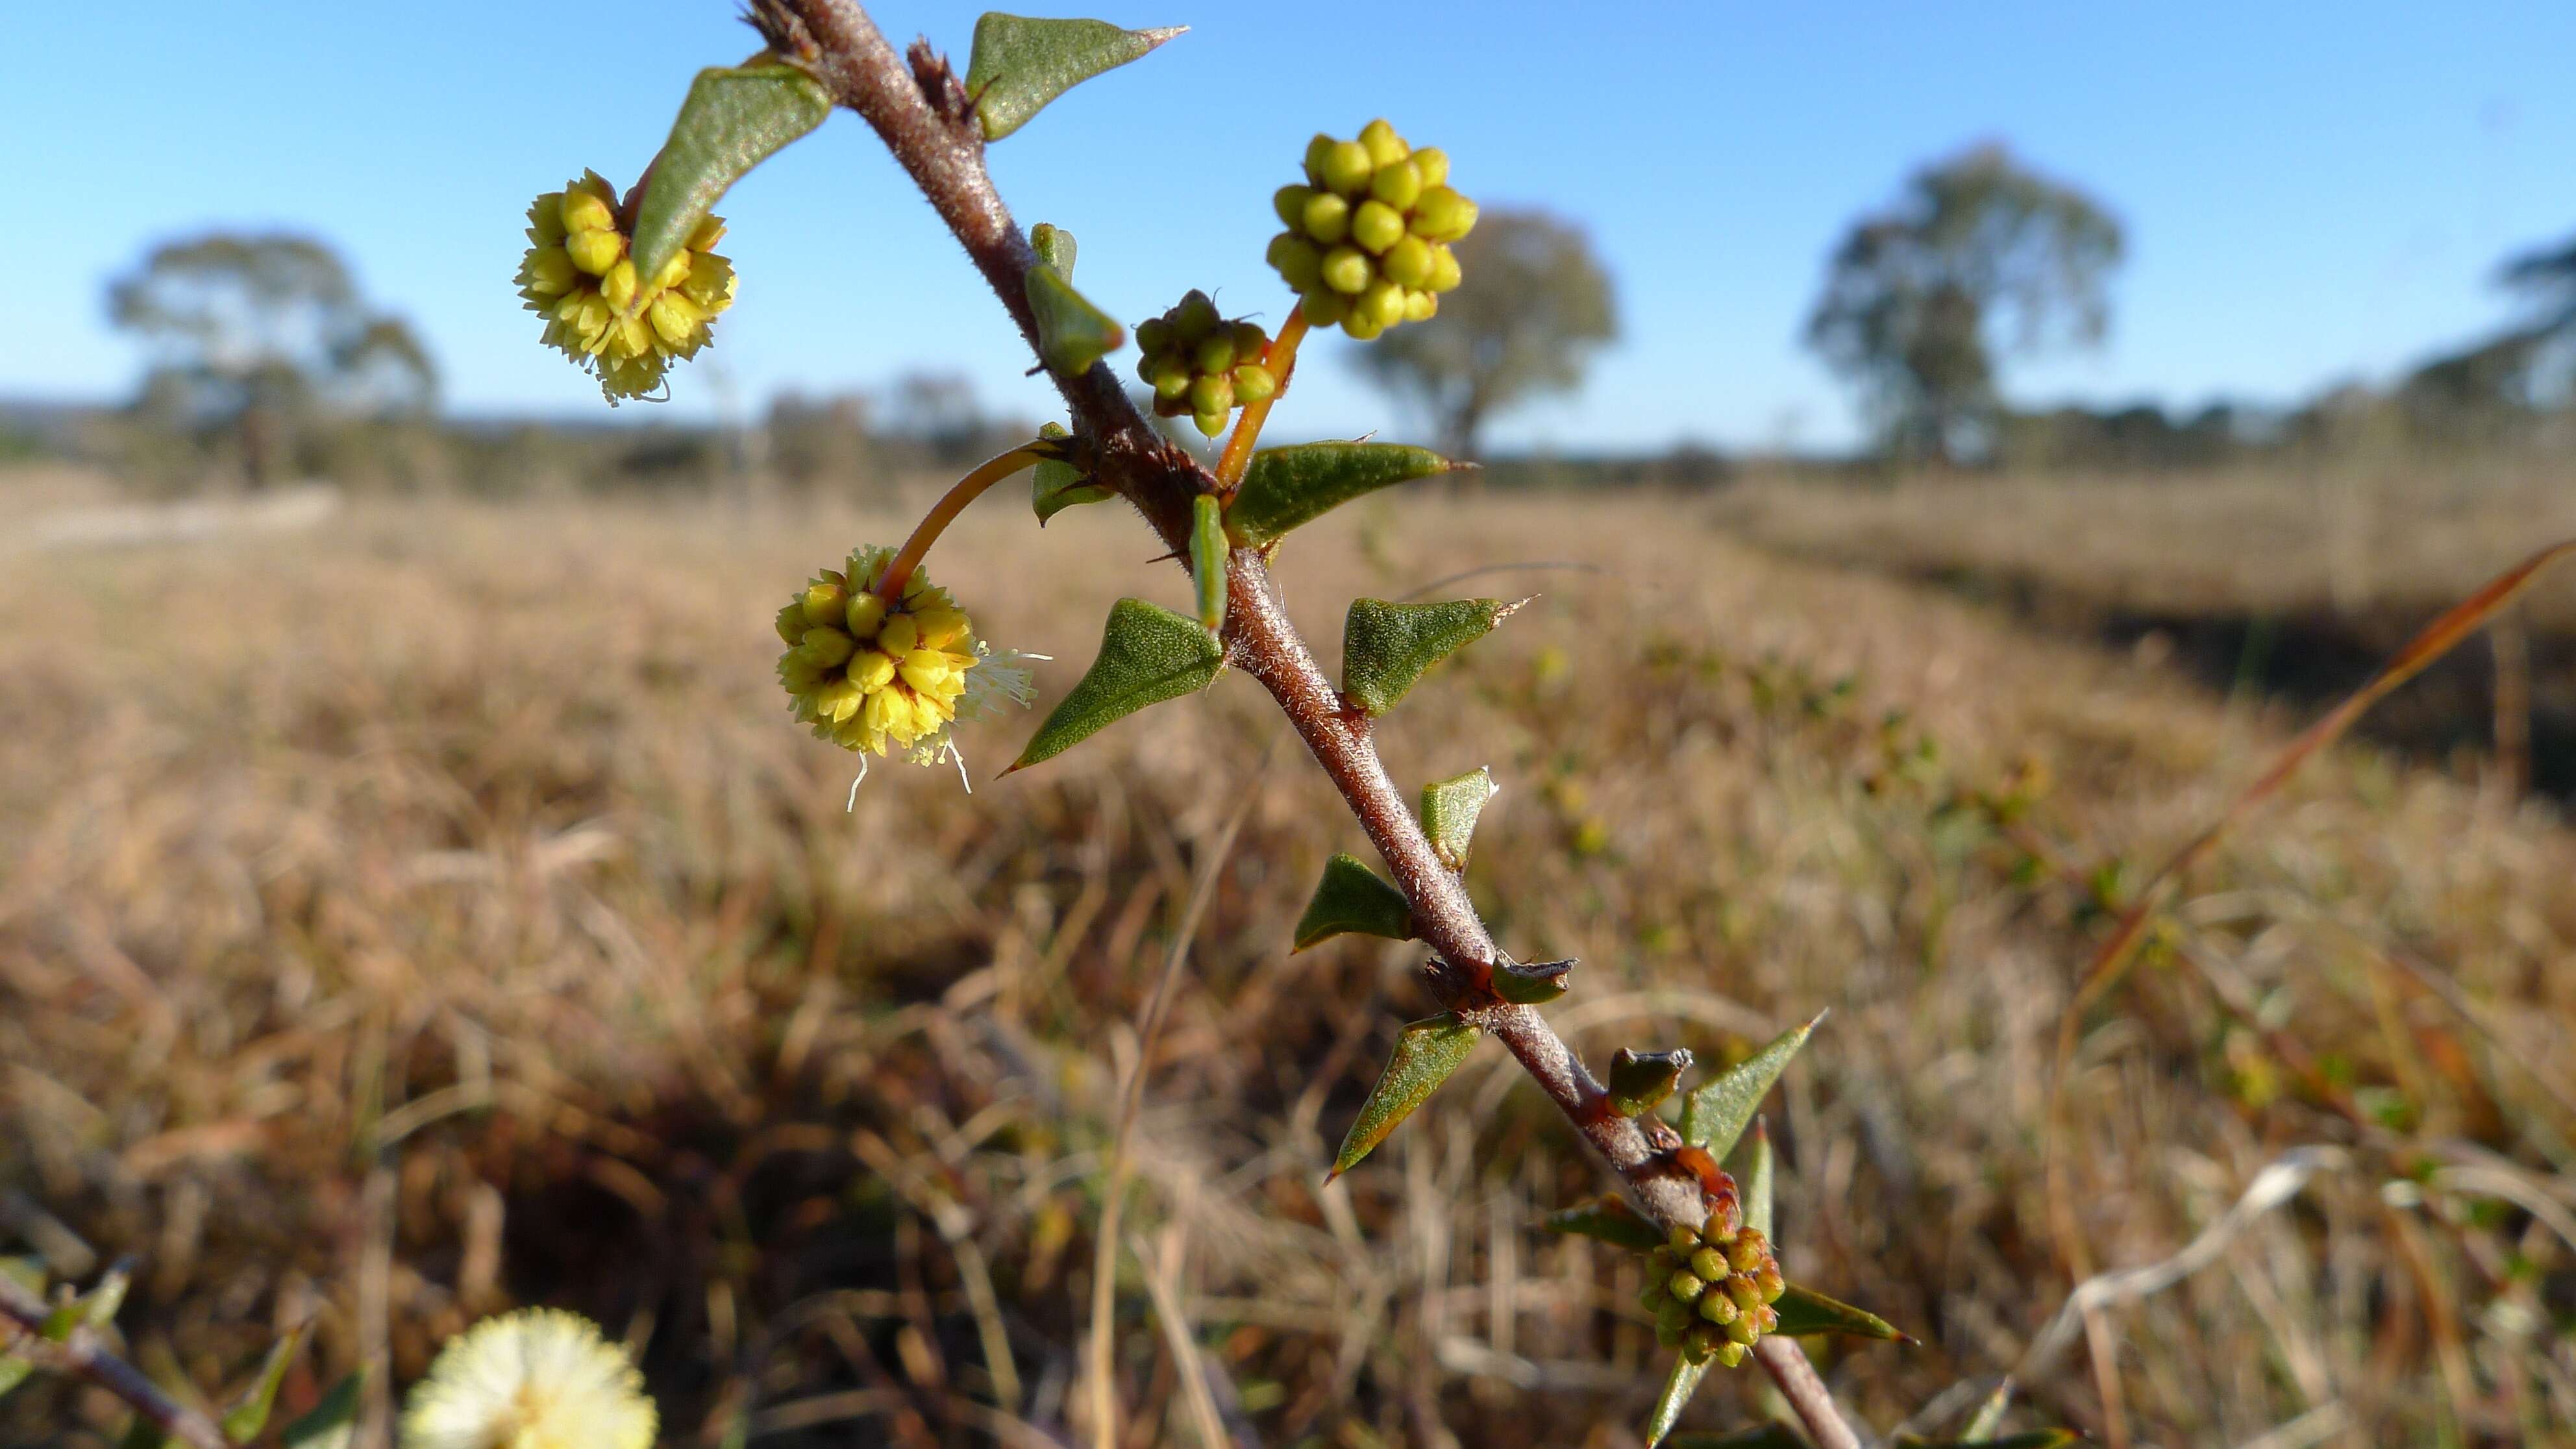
1716, 1113
1610, 1219
1353, 899
1286, 487
248, 1414
1640, 1081
1072, 333
1208, 551
1426, 1052
1056, 486
1678, 1388
333, 1422
1386, 647
1148, 654
1449, 811
1756, 1179
1804, 1313
1021, 63
735, 117
1533, 983
1055, 247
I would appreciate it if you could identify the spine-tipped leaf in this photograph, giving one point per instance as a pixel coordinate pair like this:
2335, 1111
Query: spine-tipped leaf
1714, 1115
1021, 63
248, 1414
1449, 812
1426, 1052
1678, 1388
1055, 487
1208, 551
1532, 983
1755, 1193
1285, 487
1386, 647
1805, 1312
1072, 333
1640, 1081
1148, 654
1353, 899
734, 119
1609, 1218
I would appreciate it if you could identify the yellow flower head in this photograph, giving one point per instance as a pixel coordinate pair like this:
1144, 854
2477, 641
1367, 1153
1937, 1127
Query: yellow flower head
873, 675
621, 328
1369, 232
539, 1378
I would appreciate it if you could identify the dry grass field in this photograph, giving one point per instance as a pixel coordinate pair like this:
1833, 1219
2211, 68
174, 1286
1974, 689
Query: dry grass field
437, 911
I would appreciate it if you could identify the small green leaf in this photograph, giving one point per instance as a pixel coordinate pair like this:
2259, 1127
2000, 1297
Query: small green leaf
1609, 1218
13, 1372
1641, 1080
1675, 1397
249, 1413
1533, 983
332, 1423
1386, 647
1208, 550
1054, 246
1449, 811
1804, 1311
1055, 487
1285, 487
1715, 1114
1425, 1054
1148, 654
1072, 333
1756, 1178
99, 1305
1767, 1436
1020, 63
733, 120
1990, 1414
2027, 1439
1353, 898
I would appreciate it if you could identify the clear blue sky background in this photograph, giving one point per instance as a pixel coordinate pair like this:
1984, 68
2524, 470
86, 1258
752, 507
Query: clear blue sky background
2312, 192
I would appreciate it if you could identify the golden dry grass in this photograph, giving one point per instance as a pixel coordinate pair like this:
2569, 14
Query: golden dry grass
439, 911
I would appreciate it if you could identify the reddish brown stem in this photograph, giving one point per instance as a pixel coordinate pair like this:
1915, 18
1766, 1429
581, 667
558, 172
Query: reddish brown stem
921, 114
83, 1354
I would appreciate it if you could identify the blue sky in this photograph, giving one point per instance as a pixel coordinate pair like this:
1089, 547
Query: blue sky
2312, 193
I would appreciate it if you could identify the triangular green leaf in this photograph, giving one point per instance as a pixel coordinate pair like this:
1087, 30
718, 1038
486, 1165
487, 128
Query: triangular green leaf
1805, 1311
1353, 898
1148, 654
1767, 1436
1208, 550
1715, 1114
1285, 487
1020, 63
1756, 1180
332, 1423
1386, 647
1640, 1080
1055, 487
249, 1412
1449, 811
1072, 333
1609, 1218
2027, 1439
1425, 1054
1531, 983
99, 1305
1675, 1397
1055, 247
733, 120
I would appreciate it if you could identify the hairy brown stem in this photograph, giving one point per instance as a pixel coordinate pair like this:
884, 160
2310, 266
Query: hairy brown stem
85, 1355
919, 110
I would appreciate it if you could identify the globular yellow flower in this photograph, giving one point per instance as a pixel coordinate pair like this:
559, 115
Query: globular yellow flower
539, 1378
878, 676
621, 328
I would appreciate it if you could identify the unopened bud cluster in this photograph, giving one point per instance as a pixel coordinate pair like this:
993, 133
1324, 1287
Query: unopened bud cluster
1711, 1291
870, 673
1202, 365
1368, 235
622, 327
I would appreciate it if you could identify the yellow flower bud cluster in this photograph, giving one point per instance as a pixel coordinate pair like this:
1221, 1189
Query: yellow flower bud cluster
622, 328
1200, 364
873, 675
1368, 235
1711, 1291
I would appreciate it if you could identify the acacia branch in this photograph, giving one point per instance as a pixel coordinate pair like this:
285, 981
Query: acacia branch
921, 113
83, 1353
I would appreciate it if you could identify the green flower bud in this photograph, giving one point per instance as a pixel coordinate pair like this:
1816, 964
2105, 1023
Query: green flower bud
829, 648
1681, 1240
1323, 306
1171, 377
1673, 1317
1347, 269
1377, 226
1209, 424
1441, 214
1717, 1308
585, 210
1730, 1354
1396, 183
1444, 269
792, 625
1653, 1298
1211, 395
1684, 1284
1254, 382
826, 600
1290, 203
1327, 218
1300, 262
1382, 142
1671, 1338
1215, 352
1771, 1284
1408, 262
1766, 1318
1196, 314
1361, 329
1420, 306
866, 614
1744, 1331
1432, 165
1348, 167
1318, 151
1250, 342
1155, 335
1382, 303
1708, 1263
1743, 1291
1717, 1231
594, 251
1700, 1342
1749, 1251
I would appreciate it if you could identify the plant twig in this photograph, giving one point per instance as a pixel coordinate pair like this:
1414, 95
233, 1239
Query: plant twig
921, 114
84, 1353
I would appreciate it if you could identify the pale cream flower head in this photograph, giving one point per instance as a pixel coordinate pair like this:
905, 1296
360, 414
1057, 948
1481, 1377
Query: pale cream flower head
539, 1378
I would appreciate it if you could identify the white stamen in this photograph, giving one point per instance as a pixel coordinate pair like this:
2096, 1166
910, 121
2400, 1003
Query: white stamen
851, 808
